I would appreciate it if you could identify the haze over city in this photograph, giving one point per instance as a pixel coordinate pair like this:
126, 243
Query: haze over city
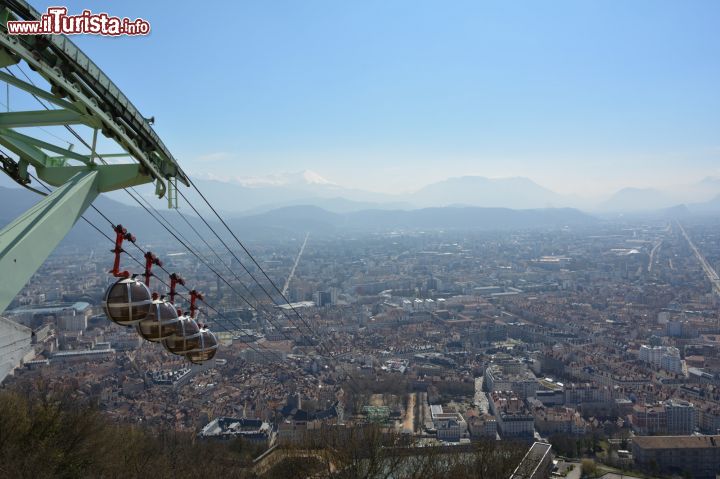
360, 239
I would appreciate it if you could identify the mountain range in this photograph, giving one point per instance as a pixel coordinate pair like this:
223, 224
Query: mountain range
306, 202
288, 221
243, 197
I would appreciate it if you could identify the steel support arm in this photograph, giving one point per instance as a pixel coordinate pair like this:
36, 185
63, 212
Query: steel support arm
25, 119
28, 241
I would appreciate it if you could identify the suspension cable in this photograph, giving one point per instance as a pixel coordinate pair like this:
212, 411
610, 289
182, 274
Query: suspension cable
87, 145
140, 263
275, 287
267, 293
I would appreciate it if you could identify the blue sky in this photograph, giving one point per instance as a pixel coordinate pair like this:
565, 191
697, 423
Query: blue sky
582, 96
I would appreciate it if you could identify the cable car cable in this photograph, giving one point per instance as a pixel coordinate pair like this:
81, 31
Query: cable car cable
321, 343
329, 353
87, 145
140, 263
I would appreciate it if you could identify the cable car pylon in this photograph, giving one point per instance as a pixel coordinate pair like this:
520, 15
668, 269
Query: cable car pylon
81, 94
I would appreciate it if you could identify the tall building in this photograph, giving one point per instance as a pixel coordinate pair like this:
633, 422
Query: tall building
72, 320
671, 363
672, 417
665, 357
674, 328
322, 298
681, 417
709, 419
649, 419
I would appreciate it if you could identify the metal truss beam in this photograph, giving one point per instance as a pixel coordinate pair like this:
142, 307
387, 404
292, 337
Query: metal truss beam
159, 163
33, 90
112, 177
28, 241
25, 119
79, 94
27, 142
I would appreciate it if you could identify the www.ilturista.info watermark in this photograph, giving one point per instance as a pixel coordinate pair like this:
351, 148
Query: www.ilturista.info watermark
57, 22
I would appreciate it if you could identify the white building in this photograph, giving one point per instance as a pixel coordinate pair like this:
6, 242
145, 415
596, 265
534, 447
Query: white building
254, 430
518, 380
665, 357
672, 363
583, 393
450, 426
71, 320
650, 354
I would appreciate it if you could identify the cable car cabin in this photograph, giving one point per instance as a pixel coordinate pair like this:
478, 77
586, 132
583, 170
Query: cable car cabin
160, 323
127, 301
206, 351
186, 337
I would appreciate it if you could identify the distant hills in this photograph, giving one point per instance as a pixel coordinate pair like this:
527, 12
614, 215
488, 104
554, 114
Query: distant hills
308, 188
634, 200
311, 218
517, 193
477, 191
14, 201
306, 202
638, 199
293, 190
706, 207
258, 195
306, 218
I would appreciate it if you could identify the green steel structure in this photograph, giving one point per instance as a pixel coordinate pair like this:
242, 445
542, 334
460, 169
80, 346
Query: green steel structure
77, 93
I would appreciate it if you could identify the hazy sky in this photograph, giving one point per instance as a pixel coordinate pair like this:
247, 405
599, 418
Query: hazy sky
581, 96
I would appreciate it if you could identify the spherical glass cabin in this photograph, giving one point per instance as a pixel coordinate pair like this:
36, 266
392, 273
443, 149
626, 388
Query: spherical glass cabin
206, 351
186, 337
127, 301
160, 323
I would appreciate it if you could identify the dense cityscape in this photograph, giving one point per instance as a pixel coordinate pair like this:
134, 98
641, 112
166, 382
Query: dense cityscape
360, 240
607, 334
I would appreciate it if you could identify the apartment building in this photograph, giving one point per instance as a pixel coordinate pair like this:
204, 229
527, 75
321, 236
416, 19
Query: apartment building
514, 419
698, 456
